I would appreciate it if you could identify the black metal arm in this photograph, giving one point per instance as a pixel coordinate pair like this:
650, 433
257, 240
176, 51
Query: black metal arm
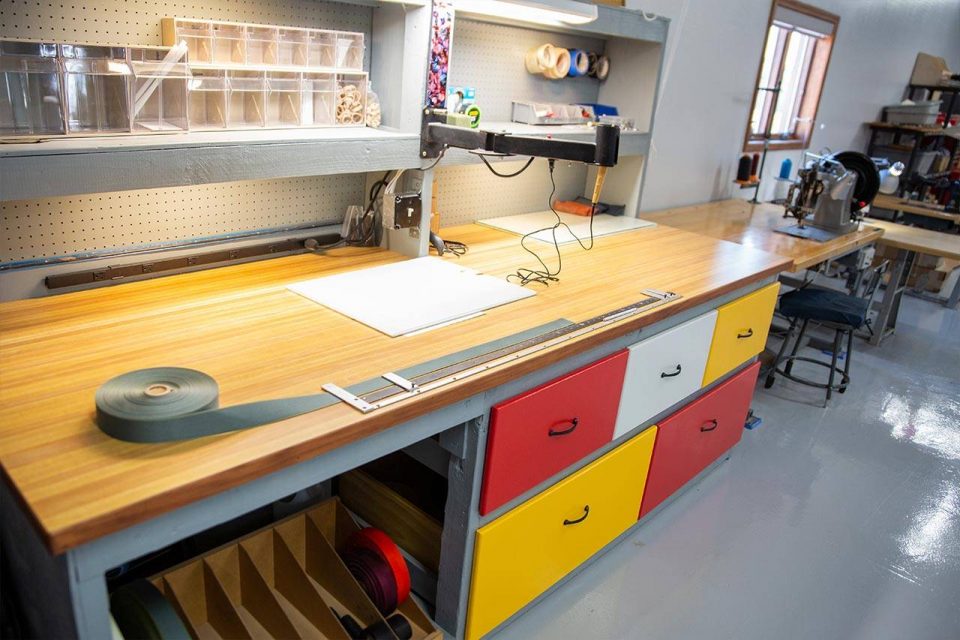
436, 136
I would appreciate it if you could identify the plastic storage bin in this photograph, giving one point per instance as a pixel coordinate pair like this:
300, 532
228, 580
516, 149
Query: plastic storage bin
31, 101
197, 35
283, 99
350, 51
292, 47
318, 100
247, 90
229, 44
921, 113
158, 91
321, 49
261, 45
208, 100
352, 100
97, 88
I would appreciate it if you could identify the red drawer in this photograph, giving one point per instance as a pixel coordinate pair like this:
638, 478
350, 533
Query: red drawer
692, 438
543, 431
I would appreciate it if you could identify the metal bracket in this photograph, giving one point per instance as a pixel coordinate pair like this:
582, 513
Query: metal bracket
400, 381
354, 401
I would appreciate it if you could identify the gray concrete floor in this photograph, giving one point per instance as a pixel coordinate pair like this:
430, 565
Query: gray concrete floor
824, 523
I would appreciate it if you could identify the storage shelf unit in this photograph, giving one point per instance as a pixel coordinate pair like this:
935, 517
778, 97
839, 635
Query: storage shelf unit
72, 166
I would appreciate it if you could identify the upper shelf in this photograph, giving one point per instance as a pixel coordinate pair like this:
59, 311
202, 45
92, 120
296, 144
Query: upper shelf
930, 130
67, 166
611, 22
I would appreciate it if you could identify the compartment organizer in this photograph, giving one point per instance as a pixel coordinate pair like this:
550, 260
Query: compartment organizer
31, 100
96, 82
158, 98
285, 581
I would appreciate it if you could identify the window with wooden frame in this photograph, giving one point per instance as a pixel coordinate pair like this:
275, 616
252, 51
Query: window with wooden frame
791, 76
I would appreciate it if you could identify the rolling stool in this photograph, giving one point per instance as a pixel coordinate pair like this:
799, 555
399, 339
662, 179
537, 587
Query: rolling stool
831, 309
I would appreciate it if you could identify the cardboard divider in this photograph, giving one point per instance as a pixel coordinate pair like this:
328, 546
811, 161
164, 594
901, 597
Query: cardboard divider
201, 602
299, 598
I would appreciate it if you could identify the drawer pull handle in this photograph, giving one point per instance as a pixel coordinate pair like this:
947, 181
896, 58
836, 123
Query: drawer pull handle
671, 375
746, 334
586, 512
563, 432
709, 426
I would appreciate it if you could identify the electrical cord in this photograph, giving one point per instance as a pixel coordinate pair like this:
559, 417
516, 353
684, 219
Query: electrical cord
437, 161
506, 175
545, 275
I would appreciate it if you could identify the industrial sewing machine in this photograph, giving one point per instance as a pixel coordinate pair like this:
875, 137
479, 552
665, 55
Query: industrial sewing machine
833, 189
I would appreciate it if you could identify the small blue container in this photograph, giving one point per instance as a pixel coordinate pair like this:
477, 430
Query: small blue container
785, 168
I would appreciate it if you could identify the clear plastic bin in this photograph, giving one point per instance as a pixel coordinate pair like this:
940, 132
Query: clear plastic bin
97, 87
247, 92
261, 45
292, 47
283, 99
30, 98
322, 49
208, 100
350, 51
229, 44
318, 100
158, 90
351, 100
199, 39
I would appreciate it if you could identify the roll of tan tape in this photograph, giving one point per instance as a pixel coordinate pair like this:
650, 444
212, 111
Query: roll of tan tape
539, 59
561, 67
603, 68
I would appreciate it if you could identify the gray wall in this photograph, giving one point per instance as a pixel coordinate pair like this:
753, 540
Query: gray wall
715, 48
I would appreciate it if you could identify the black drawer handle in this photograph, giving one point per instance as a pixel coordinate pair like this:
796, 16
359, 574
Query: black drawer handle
748, 333
671, 375
586, 512
709, 426
573, 425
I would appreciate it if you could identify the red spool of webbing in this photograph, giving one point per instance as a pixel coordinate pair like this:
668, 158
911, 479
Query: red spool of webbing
380, 543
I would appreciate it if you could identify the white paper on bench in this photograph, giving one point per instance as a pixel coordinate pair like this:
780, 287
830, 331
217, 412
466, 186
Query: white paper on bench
408, 296
603, 225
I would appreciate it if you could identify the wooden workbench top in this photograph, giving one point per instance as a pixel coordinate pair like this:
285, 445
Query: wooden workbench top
894, 203
752, 225
260, 341
933, 243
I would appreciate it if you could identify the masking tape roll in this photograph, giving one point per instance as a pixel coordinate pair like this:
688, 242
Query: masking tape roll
561, 67
141, 611
538, 59
474, 112
603, 67
592, 64
172, 403
579, 63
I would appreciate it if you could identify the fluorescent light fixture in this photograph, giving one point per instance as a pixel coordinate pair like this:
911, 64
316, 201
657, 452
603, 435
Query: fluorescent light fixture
549, 12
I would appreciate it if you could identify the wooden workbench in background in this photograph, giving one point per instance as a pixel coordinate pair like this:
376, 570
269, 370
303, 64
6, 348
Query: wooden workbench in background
752, 225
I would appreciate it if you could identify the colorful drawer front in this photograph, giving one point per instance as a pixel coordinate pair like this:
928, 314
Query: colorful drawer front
521, 554
692, 438
543, 431
741, 332
663, 370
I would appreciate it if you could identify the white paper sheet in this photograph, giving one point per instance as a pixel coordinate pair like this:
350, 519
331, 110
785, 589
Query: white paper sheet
404, 297
603, 225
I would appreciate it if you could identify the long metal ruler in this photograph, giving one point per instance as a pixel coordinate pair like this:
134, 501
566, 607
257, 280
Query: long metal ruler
400, 388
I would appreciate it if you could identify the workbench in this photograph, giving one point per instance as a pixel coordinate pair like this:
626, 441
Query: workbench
78, 503
896, 204
752, 225
910, 241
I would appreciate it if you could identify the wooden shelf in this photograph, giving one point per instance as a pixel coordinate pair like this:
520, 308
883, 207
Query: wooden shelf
67, 166
930, 130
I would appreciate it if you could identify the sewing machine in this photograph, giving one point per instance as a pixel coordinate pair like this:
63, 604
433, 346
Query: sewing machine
833, 189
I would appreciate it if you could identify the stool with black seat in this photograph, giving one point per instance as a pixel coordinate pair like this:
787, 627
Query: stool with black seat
844, 313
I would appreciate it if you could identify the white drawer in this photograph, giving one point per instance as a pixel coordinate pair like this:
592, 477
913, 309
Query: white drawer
663, 370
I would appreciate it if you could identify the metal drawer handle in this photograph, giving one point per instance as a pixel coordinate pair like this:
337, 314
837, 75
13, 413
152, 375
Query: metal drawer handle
563, 432
745, 335
671, 375
709, 426
586, 512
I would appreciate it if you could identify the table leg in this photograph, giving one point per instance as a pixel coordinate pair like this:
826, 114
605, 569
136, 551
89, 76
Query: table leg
954, 298
890, 305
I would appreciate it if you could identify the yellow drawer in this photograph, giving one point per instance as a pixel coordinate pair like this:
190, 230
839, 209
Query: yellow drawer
521, 554
741, 331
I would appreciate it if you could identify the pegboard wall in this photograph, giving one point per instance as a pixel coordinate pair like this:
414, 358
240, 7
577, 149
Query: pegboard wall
490, 57
137, 22
48, 227
467, 193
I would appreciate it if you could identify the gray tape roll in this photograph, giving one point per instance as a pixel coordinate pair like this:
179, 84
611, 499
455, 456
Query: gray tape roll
141, 612
171, 403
